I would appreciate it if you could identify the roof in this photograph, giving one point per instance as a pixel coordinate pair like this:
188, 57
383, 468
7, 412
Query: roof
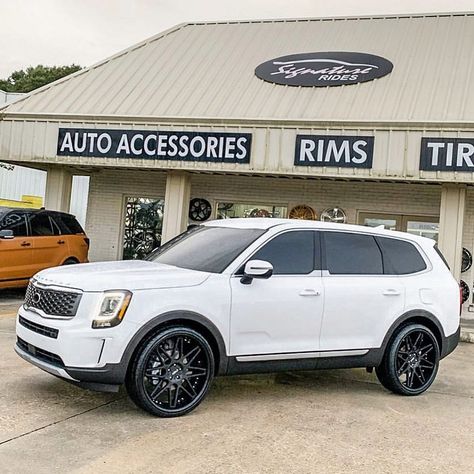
268, 223
206, 71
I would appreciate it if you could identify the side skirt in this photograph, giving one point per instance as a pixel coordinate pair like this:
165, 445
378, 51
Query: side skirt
370, 358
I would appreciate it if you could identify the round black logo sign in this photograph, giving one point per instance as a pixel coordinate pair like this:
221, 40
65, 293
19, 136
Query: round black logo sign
336, 68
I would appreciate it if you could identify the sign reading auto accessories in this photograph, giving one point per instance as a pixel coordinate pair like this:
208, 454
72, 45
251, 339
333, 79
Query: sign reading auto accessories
447, 154
178, 146
324, 69
327, 150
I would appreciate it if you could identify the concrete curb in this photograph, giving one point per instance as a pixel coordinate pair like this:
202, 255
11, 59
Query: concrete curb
467, 336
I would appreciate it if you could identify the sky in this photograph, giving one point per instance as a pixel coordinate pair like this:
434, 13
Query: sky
60, 32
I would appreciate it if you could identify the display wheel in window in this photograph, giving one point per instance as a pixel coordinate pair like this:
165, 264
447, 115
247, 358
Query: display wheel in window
260, 213
465, 292
334, 214
466, 260
199, 209
302, 211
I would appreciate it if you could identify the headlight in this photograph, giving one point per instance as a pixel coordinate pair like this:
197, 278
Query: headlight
112, 309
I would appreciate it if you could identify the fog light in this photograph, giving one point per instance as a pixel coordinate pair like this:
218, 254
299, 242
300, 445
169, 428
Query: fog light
112, 309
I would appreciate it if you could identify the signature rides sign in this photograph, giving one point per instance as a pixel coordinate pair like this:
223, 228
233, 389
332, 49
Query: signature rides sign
147, 144
335, 68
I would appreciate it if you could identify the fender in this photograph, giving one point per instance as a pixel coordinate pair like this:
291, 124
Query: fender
415, 313
114, 374
181, 316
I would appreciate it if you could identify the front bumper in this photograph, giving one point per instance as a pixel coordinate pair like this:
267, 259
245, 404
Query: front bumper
72, 350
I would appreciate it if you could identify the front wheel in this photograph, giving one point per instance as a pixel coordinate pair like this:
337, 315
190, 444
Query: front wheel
171, 373
411, 361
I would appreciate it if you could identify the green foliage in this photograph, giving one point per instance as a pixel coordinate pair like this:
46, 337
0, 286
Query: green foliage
33, 77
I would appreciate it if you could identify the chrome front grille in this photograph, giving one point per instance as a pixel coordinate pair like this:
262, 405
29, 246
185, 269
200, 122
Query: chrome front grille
52, 302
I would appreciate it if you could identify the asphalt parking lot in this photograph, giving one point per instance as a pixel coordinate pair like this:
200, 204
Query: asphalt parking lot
305, 422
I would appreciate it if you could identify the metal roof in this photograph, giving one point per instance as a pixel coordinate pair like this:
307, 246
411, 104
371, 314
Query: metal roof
206, 71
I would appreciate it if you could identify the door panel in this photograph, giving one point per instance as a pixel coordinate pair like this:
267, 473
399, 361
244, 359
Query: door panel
16, 259
281, 314
16, 253
359, 309
49, 248
361, 301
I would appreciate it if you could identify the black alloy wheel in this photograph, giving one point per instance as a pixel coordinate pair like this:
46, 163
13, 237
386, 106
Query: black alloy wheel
411, 361
172, 373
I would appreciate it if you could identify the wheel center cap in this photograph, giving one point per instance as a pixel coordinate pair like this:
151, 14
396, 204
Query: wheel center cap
175, 371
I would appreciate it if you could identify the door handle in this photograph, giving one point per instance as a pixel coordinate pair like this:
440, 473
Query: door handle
309, 292
61, 242
25, 244
391, 292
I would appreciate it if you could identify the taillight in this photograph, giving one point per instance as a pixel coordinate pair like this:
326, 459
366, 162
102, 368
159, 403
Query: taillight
87, 241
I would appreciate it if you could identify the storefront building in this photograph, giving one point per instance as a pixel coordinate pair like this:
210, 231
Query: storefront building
361, 120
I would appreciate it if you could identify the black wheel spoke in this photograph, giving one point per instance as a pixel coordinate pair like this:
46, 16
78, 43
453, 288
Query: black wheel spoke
191, 355
158, 391
175, 395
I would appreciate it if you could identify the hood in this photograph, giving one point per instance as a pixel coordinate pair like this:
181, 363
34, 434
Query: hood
124, 275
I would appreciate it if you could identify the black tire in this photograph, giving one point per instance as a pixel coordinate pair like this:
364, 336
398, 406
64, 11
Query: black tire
171, 372
410, 362
70, 261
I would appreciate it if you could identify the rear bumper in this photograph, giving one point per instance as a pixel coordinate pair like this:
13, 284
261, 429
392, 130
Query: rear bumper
450, 343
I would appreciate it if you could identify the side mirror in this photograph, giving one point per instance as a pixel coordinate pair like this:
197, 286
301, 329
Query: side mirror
256, 269
6, 234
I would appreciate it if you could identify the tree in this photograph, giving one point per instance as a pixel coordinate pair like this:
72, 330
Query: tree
31, 78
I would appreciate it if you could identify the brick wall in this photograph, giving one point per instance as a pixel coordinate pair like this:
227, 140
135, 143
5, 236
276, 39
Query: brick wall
107, 192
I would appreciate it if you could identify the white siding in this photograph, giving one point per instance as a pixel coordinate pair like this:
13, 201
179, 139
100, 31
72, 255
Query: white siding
19, 181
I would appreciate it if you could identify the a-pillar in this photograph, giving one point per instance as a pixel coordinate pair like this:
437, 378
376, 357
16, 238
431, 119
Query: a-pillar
58, 189
451, 222
178, 193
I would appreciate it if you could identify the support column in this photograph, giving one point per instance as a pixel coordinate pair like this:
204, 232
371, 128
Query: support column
451, 222
58, 189
178, 193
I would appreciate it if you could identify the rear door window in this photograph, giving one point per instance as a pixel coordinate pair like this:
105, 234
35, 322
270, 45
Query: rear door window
41, 225
68, 224
403, 257
16, 222
352, 254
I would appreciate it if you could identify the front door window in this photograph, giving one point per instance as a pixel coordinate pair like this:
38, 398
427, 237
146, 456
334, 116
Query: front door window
143, 225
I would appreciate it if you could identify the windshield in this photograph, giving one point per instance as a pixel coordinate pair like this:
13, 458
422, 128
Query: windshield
204, 248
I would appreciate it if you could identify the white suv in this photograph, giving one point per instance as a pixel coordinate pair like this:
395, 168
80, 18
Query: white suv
240, 296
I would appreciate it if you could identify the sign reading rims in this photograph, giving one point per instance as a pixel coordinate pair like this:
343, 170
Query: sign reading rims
334, 151
324, 69
156, 145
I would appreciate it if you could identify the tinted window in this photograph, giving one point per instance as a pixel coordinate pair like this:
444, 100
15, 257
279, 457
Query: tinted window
14, 221
68, 224
41, 225
208, 249
403, 256
291, 253
352, 254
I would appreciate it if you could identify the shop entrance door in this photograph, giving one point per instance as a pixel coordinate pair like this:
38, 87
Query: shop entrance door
143, 225
425, 226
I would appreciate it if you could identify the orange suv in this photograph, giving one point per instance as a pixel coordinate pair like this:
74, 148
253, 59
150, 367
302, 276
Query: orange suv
32, 240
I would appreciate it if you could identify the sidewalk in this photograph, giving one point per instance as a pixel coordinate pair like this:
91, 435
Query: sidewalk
467, 330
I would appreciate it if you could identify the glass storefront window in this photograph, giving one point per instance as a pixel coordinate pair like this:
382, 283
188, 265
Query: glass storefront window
423, 228
229, 210
143, 224
417, 225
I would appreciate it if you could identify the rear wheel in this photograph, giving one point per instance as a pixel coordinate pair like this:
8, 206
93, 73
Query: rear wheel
171, 372
70, 261
411, 361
